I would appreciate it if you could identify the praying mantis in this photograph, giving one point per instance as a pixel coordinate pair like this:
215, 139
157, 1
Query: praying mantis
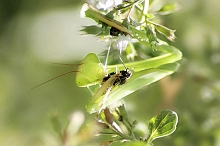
145, 72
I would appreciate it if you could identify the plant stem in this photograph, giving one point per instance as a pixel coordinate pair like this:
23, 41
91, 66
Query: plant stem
145, 10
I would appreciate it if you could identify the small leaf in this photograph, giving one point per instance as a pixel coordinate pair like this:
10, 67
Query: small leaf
56, 124
138, 34
168, 33
151, 35
130, 52
162, 125
134, 144
167, 9
107, 143
150, 16
93, 29
111, 14
141, 78
122, 112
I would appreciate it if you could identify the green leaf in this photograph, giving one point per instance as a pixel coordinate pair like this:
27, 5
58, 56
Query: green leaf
167, 9
151, 35
168, 33
139, 34
144, 73
56, 123
122, 112
130, 51
137, 81
162, 125
134, 144
93, 29
111, 14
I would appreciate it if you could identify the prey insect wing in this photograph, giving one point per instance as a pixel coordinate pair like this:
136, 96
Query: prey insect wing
97, 100
123, 75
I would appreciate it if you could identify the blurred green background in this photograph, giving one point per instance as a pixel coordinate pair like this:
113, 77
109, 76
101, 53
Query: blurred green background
35, 33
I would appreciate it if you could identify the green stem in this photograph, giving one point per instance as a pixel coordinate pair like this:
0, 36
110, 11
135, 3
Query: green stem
129, 128
121, 134
145, 10
146, 5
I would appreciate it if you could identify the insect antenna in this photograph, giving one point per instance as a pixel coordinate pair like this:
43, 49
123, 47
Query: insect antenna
122, 62
53, 79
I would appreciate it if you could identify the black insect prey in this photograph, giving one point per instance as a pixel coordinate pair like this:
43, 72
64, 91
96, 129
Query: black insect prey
114, 31
121, 77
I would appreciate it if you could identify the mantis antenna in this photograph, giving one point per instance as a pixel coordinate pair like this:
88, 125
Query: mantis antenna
59, 75
53, 79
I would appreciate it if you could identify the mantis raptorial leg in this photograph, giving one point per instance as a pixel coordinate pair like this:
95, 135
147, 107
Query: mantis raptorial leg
106, 60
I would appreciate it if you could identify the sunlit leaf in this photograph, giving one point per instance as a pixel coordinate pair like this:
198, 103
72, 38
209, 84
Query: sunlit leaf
56, 124
162, 125
93, 29
139, 35
145, 72
167, 9
151, 35
141, 78
168, 33
134, 144
106, 143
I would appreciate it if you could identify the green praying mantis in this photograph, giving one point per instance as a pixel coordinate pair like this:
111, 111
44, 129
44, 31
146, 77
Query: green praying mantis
144, 72
91, 72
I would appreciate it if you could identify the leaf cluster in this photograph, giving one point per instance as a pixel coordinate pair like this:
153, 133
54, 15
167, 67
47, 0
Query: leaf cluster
130, 26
